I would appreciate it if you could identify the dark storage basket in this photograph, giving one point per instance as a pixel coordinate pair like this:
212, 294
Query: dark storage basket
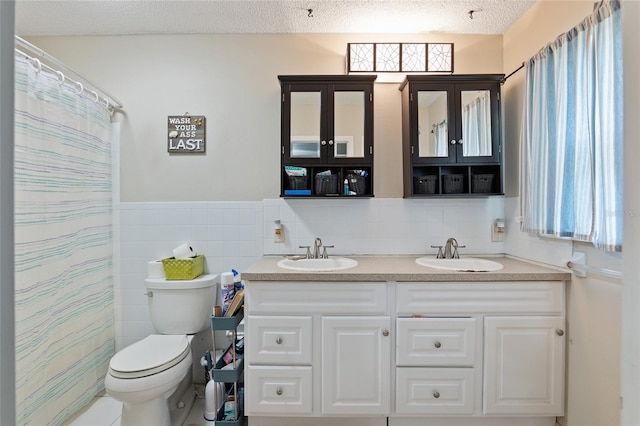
482, 183
326, 184
357, 183
297, 182
424, 184
453, 184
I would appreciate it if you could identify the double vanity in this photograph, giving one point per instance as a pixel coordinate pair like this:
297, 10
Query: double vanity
393, 341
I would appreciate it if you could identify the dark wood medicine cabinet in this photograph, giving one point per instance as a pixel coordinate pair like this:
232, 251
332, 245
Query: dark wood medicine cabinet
327, 136
451, 133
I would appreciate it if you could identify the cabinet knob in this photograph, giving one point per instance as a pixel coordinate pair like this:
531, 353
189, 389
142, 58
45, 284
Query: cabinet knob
330, 142
559, 332
279, 340
323, 143
436, 394
437, 345
279, 391
460, 141
385, 333
453, 141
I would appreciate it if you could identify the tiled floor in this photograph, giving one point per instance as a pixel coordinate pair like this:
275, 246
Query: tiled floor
105, 411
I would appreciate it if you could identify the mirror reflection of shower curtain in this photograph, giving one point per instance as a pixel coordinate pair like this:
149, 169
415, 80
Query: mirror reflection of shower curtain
440, 131
476, 127
63, 247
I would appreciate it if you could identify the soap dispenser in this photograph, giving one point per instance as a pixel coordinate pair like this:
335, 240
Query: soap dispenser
278, 232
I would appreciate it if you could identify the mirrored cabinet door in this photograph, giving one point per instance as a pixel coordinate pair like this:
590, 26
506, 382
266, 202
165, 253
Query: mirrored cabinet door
433, 123
348, 124
305, 124
475, 112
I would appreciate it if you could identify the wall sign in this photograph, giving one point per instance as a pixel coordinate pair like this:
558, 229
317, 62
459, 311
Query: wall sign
186, 133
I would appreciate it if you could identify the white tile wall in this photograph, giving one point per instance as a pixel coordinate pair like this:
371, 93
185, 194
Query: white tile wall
383, 226
229, 234
236, 234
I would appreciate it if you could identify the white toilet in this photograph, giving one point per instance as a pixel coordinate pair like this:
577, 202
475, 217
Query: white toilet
153, 377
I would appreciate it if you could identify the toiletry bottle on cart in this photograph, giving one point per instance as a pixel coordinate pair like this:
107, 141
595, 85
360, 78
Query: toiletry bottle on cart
227, 290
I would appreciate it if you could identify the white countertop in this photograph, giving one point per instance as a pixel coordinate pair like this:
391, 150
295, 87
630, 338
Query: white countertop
404, 268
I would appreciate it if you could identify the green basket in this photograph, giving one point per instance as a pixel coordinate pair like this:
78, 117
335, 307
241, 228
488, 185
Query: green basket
183, 269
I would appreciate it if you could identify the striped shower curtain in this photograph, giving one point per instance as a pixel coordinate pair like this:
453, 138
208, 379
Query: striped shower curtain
63, 246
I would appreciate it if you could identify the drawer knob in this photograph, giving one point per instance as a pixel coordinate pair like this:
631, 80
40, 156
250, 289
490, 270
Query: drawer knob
436, 394
559, 332
437, 344
279, 340
279, 391
385, 333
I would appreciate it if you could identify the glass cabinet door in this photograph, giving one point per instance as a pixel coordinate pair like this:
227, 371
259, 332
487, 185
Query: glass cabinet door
305, 124
476, 123
348, 125
433, 123
328, 123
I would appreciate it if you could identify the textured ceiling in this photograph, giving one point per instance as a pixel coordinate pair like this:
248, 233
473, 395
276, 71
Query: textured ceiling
96, 17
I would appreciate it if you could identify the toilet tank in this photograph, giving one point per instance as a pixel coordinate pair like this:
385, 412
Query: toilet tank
181, 306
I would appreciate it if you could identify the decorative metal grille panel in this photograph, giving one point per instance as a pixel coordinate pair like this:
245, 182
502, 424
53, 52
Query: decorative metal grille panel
400, 57
440, 57
361, 56
414, 57
388, 57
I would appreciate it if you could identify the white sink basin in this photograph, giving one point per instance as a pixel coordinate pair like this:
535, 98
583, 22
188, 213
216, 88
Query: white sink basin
467, 264
318, 265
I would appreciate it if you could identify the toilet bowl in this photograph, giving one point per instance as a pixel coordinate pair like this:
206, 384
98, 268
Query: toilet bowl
144, 375
153, 377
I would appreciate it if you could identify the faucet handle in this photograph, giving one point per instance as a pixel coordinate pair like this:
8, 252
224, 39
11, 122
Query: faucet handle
308, 254
440, 255
455, 251
324, 251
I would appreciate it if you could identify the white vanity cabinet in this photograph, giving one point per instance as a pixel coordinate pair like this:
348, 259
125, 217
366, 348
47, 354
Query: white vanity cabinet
480, 348
399, 353
318, 348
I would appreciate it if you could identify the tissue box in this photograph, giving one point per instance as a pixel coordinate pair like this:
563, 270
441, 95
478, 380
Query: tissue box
183, 269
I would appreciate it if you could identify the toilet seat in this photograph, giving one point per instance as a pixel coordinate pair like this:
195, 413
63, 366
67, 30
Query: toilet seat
151, 355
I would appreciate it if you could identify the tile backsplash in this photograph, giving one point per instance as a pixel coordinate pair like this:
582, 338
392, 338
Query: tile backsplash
236, 234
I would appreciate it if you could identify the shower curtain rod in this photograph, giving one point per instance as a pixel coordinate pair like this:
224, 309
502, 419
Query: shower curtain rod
111, 102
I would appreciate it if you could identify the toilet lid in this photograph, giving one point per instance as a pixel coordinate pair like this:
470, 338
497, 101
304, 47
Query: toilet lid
151, 355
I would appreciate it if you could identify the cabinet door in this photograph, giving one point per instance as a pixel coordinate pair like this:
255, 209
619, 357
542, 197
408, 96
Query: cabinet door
477, 111
329, 123
433, 123
356, 365
304, 123
524, 365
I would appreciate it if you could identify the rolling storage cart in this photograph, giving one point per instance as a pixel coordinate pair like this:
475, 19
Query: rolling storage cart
229, 376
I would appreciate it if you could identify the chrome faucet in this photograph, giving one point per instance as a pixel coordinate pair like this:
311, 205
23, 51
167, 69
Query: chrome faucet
316, 248
451, 249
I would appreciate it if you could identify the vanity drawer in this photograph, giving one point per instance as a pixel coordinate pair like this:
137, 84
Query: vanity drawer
430, 342
276, 390
480, 297
435, 390
279, 340
317, 297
